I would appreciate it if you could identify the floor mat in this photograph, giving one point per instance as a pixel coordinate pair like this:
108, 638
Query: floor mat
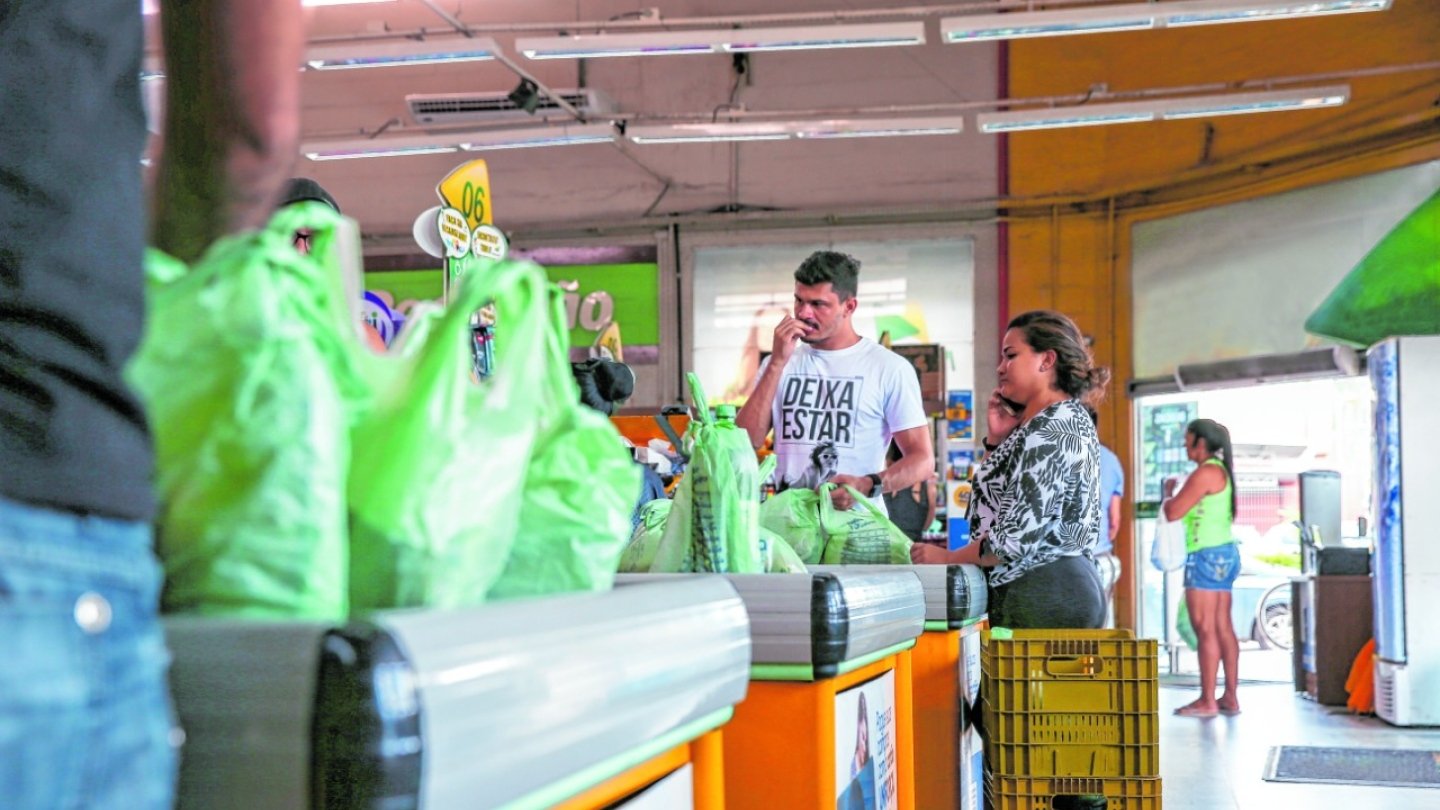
1389, 767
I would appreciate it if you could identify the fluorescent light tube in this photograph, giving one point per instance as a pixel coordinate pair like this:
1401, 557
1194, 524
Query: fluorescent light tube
1089, 115
1022, 24
381, 147
880, 127
528, 137
1211, 12
1242, 103
1139, 16
787, 130
398, 53
152, 6
748, 40
1170, 109
708, 133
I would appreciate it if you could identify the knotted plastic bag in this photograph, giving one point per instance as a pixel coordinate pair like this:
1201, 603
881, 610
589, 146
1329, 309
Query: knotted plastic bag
861, 536
440, 463
249, 370
795, 515
581, 483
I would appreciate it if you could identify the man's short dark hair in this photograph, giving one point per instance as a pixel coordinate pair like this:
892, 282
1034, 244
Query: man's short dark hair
840, 270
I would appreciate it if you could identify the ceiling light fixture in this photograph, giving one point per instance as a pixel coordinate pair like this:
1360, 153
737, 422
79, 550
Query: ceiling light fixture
1140, 16
152, 6
746, 40
1170, 109
569, 135
401, 146
727, 131
477, 141
399, 53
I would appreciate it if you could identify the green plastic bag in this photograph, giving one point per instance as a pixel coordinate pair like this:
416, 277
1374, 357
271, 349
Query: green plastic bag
795, 515
861, 536
249, 372
1394, 290
439, 464
714, 525
639, 553
581, 484
779, 557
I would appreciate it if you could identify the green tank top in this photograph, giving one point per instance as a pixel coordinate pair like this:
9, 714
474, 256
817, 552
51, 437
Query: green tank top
1208, 523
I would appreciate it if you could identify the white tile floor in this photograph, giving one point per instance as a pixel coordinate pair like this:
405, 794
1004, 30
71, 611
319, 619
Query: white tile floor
1219, 763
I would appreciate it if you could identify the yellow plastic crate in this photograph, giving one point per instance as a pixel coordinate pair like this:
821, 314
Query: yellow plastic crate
1040, 792
1071, 671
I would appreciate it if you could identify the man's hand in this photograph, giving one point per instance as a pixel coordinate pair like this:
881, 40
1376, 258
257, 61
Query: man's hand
841, 497
787, 334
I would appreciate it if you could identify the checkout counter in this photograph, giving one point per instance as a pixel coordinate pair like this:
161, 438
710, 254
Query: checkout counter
612, 699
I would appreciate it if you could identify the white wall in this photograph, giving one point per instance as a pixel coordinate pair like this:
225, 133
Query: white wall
1240, 280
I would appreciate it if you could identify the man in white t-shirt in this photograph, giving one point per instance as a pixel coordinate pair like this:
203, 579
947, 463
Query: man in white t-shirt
836, 399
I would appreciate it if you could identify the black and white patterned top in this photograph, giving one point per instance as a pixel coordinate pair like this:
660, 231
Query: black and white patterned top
1037, 496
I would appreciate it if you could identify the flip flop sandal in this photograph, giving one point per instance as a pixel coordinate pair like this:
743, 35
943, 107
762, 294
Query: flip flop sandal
1191, 711
1228, 712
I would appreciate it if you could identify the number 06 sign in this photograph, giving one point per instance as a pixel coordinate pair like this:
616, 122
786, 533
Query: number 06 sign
463, 222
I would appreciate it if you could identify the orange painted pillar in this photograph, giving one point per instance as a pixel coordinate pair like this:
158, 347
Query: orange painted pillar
936, 679
905, 730
707, 758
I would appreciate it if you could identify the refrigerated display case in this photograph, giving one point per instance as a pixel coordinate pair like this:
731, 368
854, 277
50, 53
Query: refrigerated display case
1406, 374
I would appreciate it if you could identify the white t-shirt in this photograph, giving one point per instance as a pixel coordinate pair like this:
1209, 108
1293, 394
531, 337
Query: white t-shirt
835, 412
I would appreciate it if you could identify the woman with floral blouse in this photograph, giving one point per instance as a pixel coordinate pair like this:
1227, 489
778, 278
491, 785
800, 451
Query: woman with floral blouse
1035, 505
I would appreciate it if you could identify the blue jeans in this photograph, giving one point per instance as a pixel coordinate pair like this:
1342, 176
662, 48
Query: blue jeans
84, 708
1213, 569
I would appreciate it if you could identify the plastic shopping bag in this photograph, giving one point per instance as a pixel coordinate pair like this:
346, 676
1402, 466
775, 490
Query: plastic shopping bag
795, 515
440, 463
861, 536
581, 484
639, 553
714, 525
779, 557
249, 370
1167, 552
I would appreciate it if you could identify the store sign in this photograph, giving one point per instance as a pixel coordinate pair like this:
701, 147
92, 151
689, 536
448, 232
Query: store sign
865, 759
596, 296
1162, 445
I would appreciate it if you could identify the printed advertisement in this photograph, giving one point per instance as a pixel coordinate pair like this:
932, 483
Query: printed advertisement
865, 760
960, 413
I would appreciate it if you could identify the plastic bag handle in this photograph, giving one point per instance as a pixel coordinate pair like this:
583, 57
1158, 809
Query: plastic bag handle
697, 394
767, 468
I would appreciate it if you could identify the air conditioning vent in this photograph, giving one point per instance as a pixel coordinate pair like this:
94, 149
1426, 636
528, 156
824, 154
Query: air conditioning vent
439, 109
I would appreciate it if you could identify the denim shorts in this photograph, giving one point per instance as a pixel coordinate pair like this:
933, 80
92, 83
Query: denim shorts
1214, 568
85, 718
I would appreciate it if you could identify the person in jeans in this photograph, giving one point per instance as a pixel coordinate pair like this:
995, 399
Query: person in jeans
1035, 506
1206, 502
84, 710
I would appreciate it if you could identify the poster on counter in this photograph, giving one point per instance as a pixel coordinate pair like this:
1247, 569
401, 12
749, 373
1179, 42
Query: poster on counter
957, 501
960, 414
865, 760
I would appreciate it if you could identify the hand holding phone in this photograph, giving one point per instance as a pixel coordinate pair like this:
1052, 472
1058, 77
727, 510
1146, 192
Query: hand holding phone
1002, 417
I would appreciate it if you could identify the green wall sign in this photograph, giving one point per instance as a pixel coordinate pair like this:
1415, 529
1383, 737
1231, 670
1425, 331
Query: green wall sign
595, 295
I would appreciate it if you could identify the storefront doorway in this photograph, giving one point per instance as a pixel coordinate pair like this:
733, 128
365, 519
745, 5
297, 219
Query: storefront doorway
1278, 431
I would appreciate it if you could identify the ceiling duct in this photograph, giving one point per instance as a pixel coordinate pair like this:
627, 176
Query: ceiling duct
1311, 364
443, 109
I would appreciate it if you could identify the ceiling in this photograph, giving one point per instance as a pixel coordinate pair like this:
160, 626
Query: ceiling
550, 187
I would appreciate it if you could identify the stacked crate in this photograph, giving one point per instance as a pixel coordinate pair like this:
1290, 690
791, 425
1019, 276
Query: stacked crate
1070, 713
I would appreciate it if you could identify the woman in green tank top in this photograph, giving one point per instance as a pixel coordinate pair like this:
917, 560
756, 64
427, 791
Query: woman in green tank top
1206, 502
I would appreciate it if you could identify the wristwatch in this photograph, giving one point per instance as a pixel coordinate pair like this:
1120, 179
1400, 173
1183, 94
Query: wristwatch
874, 484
